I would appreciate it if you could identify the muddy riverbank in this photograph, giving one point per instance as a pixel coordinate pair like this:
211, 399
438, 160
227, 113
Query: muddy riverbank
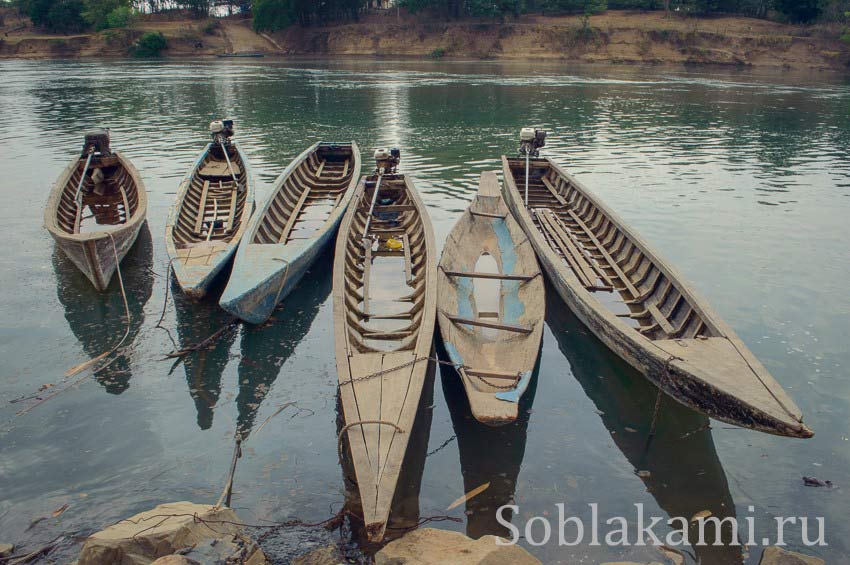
614, 37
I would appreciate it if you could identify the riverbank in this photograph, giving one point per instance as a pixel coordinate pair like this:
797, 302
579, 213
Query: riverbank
616, 37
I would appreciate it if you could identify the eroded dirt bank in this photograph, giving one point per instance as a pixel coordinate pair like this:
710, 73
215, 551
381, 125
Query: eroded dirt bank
619, 37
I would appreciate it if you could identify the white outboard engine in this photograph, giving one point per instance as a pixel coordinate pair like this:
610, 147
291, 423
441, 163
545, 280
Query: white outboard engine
387, 160
221, 131
530, 141
97, 143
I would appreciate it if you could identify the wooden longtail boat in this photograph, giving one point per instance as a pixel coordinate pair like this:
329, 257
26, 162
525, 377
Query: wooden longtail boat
490, 305
639, 306
384, 293
214, 202
96, 209
283, 239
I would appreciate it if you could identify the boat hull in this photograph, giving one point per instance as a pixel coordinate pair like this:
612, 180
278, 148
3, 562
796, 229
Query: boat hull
715, 375
380, 388
265, 273
198, 262
278, 270
495, 361
94, 253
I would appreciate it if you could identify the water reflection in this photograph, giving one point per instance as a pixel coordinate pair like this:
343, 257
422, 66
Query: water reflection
679, 465
98, 319
487, 454
266, 348
404, 511
196, 321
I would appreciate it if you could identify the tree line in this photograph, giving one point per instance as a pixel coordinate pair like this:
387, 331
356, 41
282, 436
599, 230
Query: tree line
797, 11
269, 15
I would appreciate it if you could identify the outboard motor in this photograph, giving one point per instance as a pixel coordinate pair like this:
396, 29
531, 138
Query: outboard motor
221, 131
96, 143
530, 141
387, 160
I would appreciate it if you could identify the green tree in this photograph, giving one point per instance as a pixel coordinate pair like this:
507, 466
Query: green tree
150, 44
64, 16
122, 16
97, 12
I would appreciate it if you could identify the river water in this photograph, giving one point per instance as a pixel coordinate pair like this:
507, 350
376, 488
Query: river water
740, 178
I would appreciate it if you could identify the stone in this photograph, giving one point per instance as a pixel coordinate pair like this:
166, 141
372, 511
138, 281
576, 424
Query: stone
159, 532
328, 555
238, 548
175, 560
429, 546
779, 556
6, 549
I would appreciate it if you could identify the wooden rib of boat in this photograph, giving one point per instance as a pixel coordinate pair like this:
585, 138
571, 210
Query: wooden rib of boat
284, 238
490, 305
96, 209
384, 292
639, 306
214, 202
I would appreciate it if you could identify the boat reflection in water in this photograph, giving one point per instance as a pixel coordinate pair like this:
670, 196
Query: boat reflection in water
265, 348
196, 321
685, 475
404, 511
487, 454
98, 319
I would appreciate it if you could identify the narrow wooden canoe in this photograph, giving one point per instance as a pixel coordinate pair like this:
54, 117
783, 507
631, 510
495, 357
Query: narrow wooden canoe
384, 293
95, 222
640, 307
283, 239
209, 217
490, 305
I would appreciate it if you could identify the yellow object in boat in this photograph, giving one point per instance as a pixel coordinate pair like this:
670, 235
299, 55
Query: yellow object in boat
394, 244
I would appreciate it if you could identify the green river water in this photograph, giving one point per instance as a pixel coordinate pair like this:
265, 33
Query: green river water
740, 178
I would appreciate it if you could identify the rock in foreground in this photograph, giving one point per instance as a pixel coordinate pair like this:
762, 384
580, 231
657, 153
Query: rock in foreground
199, 530
779, 556
429, 546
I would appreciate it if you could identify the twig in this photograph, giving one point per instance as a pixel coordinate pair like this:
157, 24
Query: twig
706, 426
441, 446
14, 559
228, 487
231, 323
278, 411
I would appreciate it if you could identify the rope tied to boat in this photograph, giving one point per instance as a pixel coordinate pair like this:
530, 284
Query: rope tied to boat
361, 423
282, 282
85, 365
457, 366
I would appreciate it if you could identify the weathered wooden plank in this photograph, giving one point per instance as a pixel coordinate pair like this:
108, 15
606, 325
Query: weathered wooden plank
293, 216
487, 324
202, 206
496, 276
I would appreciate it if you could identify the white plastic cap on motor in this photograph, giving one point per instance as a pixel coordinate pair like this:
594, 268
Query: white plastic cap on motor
527, 134
216, 126
382, 154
